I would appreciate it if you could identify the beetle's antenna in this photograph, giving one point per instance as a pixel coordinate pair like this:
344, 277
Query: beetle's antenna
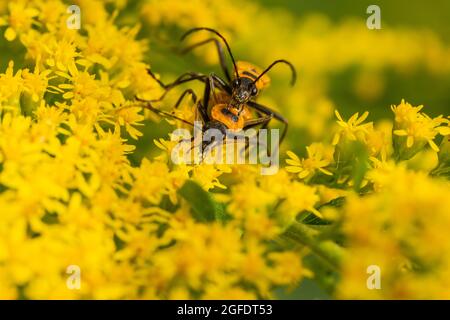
294, 73
220, 36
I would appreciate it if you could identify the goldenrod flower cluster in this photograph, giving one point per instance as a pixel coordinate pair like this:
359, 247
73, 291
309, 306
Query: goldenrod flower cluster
70, 196
73, 193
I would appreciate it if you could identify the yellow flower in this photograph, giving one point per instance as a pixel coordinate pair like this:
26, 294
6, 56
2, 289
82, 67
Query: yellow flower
150, 181
379, 140
353, 129
20, 19
10, 86
319, 157
111, 47
247, 197
207, 175
136, 81
414, 129
130, 117
15, 142
58, 54
50, 120
405, 112
288, 268
392, 229
36, 83
299, 197
83, 84
52, 13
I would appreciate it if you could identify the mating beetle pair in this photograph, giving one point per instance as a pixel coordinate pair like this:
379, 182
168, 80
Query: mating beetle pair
226, 103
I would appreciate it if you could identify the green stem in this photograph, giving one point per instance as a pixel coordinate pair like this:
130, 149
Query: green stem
328, 250
439, 170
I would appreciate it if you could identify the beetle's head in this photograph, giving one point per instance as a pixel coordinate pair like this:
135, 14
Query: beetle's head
243, 89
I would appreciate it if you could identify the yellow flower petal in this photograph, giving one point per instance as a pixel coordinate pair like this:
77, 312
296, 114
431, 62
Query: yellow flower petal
159, 144
353, 118
73, 71
68, 95
444, 131
293, 169
293, 162
400, 132
50, 62
292, 155
303, 174
409, 141
363, 117
338, 115
66, 86
10, 34
316, 212
335, 139
328, 173
433, 145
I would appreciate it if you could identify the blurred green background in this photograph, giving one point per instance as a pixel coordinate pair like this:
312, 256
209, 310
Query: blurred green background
397, 13
421, 87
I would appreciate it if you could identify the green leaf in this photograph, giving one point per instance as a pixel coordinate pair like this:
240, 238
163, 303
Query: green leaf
202, 206
324, 276
310, 218
221, 213
300, 233
308, 289
337, 203
359, 164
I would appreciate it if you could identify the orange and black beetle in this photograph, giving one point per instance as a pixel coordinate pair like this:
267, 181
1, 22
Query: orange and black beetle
226, 103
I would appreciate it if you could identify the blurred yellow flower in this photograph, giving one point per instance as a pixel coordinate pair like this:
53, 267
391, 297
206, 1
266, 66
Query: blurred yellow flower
20, 18
416, 128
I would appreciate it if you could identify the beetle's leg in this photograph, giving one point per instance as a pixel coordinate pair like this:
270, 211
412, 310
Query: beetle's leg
186, 77
162, 113
220, 53
190, 77
177, 104
266, 110
210, 87
263, 121
203, 107
221, 84
255, 122
186, 92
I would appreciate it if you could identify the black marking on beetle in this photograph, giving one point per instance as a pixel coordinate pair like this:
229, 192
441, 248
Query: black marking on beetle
252, 75
227, 112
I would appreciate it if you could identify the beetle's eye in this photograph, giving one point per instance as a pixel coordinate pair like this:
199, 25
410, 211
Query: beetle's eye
254, 91
236, 82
